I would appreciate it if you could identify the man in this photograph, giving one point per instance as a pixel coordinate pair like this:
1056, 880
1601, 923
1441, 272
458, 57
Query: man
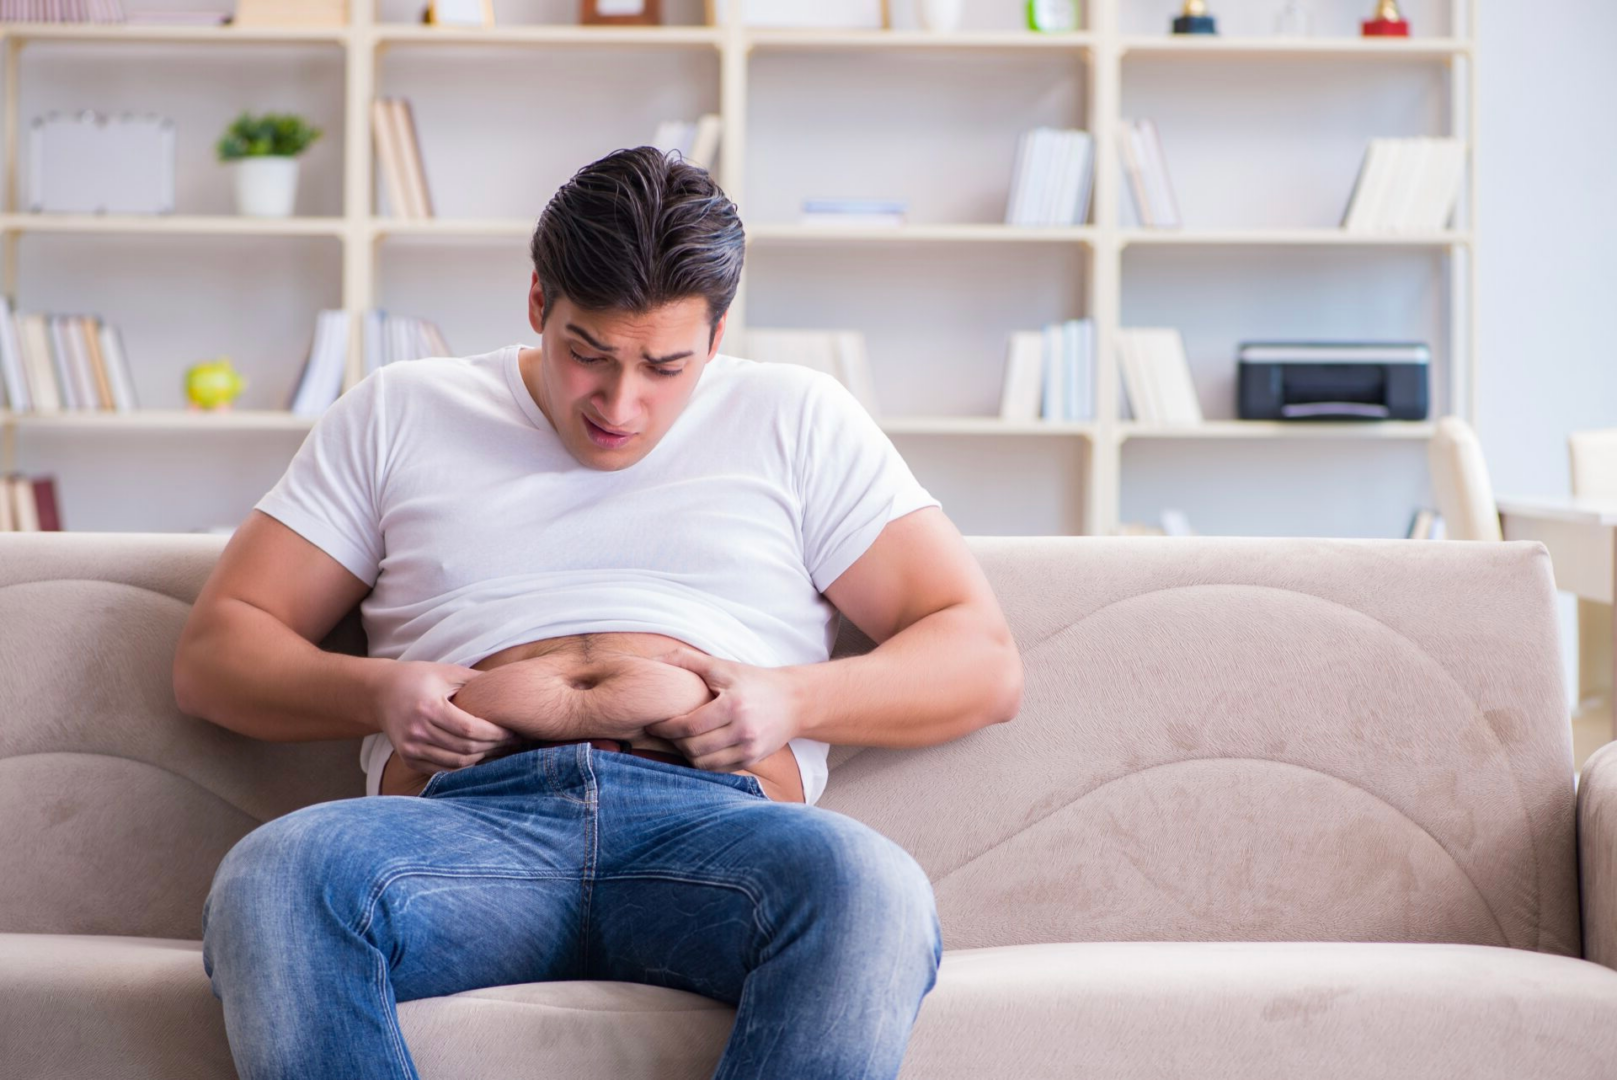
597, 579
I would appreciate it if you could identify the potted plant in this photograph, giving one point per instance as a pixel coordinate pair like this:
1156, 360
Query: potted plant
263, 150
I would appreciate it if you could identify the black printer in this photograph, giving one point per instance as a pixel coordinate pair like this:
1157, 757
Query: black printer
1321, 380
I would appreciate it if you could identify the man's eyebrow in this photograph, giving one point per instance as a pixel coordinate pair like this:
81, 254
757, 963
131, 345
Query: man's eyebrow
585, 334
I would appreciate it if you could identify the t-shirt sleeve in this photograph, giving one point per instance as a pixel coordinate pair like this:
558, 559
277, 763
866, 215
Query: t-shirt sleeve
330, 494
851, 479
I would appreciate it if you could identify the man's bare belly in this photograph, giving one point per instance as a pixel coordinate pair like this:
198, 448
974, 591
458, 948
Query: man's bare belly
777, 774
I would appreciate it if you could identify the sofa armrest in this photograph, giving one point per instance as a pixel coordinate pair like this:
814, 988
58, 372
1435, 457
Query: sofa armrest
1597, 855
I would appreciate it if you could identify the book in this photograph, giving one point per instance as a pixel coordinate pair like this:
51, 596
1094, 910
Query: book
387, 157
1157, 377
124, 399
415, 171
322, 379
90, 333
882, 213
61, 364
12, 377
24, 510
1146, 169
1406, 185
1024, 376
41, 370
704, 150
1134, 171
1050, 178
1164, 207
1054, 399
8, 521
47, 513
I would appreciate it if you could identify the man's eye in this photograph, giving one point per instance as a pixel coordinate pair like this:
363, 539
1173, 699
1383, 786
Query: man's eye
585, 359
665, 373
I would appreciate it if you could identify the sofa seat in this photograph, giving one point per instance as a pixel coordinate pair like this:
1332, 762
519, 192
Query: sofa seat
88, 1006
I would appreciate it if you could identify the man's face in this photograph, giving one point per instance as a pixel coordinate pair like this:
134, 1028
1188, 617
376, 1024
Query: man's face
613, 383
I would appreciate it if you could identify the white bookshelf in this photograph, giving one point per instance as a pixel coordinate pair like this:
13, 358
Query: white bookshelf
1106, 59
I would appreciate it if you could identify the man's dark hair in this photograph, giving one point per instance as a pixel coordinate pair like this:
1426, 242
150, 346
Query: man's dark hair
636, 230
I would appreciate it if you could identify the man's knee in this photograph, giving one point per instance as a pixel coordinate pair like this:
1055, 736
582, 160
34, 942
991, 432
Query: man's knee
873, 890
281, 867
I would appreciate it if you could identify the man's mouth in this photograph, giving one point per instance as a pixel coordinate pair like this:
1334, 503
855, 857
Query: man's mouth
605, 436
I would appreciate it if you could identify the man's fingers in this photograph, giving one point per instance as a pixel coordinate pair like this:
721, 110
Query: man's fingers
690, 660
462, 724
715, 714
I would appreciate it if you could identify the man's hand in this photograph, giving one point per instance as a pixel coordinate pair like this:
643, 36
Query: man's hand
754, 713
430, 734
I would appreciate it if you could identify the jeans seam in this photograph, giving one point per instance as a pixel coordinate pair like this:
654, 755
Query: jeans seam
363, 926
591, 848
760, 923
401, 1054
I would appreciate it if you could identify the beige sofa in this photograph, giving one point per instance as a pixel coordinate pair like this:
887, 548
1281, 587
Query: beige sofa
1273, 808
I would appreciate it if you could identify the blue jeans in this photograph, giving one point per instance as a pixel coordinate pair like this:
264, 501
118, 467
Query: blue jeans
570, 863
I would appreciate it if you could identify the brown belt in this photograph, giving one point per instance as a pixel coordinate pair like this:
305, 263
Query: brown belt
619, 745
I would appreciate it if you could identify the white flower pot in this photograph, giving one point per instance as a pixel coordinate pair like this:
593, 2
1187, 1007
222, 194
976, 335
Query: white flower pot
940, 15
266, 186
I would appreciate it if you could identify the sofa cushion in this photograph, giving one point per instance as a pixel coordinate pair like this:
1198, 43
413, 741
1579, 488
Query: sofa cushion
79, 1006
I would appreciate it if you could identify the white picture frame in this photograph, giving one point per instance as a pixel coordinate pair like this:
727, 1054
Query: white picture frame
806, 14
479, 13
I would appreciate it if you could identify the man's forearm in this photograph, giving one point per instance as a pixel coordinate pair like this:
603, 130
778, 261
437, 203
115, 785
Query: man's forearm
938, 679
245, 670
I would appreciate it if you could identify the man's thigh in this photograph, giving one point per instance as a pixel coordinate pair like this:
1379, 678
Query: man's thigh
700, 880
480, 882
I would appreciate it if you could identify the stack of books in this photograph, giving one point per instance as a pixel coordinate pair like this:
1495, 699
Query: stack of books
695, 141
293, 13
1406, 185
1051, 180
857, 213
1427, 524
387, 339
321, 381
1050, 373
839, 353
1156, 377
398, 152
61, 11
1146, 170
56, 363
28, 504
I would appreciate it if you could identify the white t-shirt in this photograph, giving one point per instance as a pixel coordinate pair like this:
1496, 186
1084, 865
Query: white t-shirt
441, 484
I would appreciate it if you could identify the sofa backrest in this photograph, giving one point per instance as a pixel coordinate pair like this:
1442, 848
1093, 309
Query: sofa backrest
1220, 739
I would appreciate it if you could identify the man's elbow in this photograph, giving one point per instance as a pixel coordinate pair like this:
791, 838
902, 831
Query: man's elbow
1008, 702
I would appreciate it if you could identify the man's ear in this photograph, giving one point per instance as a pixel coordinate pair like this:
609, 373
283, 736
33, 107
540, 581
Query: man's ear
718, 335
536, 305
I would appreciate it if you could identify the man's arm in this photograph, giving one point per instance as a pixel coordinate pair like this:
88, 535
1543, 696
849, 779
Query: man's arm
246, 659
945, 663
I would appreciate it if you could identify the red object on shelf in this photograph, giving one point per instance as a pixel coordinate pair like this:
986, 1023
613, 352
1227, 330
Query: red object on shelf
1385, 27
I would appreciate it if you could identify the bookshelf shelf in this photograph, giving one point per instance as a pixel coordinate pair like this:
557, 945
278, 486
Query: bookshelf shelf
157, 420
764, 83
173, 35
1278, 429
187, 225
980, 425
1345, 48
1289, 238
925, 234
451, 228
649, 37
980, 41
